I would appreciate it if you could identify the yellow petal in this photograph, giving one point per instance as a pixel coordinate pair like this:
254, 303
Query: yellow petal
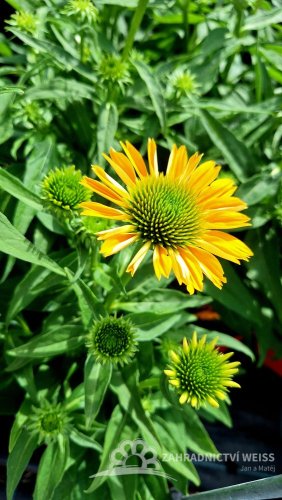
175, 358
102, 190
210, 266
109, 233
212, 402
135, 158
185, 346
99, 210
170, 373
183, 398
110, 181
231, 383
152, 157
137, 259
122, 166
117, 243
161, 262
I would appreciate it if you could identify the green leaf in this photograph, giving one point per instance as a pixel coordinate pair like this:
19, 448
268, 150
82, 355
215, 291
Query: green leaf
96, 381
257, 188
268, 488
154, 90
34, 283
170, 437
112, 439
124, 384
19, 459
264, 266
84, 441
87, 300
234, 294
150, 325
51, 468
57, 52
12, 89
162, 302
263, 19
16, 188
107, 127
58, 341
14, 243
234, 151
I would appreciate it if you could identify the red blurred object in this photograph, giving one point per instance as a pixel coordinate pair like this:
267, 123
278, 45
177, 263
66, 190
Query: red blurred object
207, 314
274, 364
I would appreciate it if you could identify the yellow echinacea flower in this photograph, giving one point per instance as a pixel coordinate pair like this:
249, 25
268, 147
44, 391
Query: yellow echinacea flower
179, 215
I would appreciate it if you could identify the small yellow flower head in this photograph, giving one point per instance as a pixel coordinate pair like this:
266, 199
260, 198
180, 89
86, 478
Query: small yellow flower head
113, 69
183, 83
112, 340
200, 373
82, 10
24, 21
62, 191
49, 421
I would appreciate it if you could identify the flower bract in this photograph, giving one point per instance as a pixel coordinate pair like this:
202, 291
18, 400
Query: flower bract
182, 215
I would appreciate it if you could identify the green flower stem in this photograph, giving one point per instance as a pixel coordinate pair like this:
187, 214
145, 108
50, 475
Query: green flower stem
186, 23
136, 21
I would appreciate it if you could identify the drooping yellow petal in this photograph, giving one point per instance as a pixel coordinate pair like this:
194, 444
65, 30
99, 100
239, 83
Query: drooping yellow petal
117, 243
93, 208
224, 245
162, 262
152, 157
194, 268
109, 233
210, 266
137, 259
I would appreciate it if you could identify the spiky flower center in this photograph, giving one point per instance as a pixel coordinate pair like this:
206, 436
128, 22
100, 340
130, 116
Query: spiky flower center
112, 340
50, 422
199, 373
62, 188
164, 212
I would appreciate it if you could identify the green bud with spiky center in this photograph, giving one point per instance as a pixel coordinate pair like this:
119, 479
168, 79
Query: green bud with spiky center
112, 340
183, 83
82, 10
62, 191
112, 68
164, 213
49, 421
24, 21
200, 373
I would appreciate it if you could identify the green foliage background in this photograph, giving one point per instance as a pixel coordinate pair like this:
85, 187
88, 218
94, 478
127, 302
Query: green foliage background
72, 86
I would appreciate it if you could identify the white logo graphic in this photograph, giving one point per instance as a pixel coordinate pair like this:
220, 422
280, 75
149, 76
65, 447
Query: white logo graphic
133, 451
